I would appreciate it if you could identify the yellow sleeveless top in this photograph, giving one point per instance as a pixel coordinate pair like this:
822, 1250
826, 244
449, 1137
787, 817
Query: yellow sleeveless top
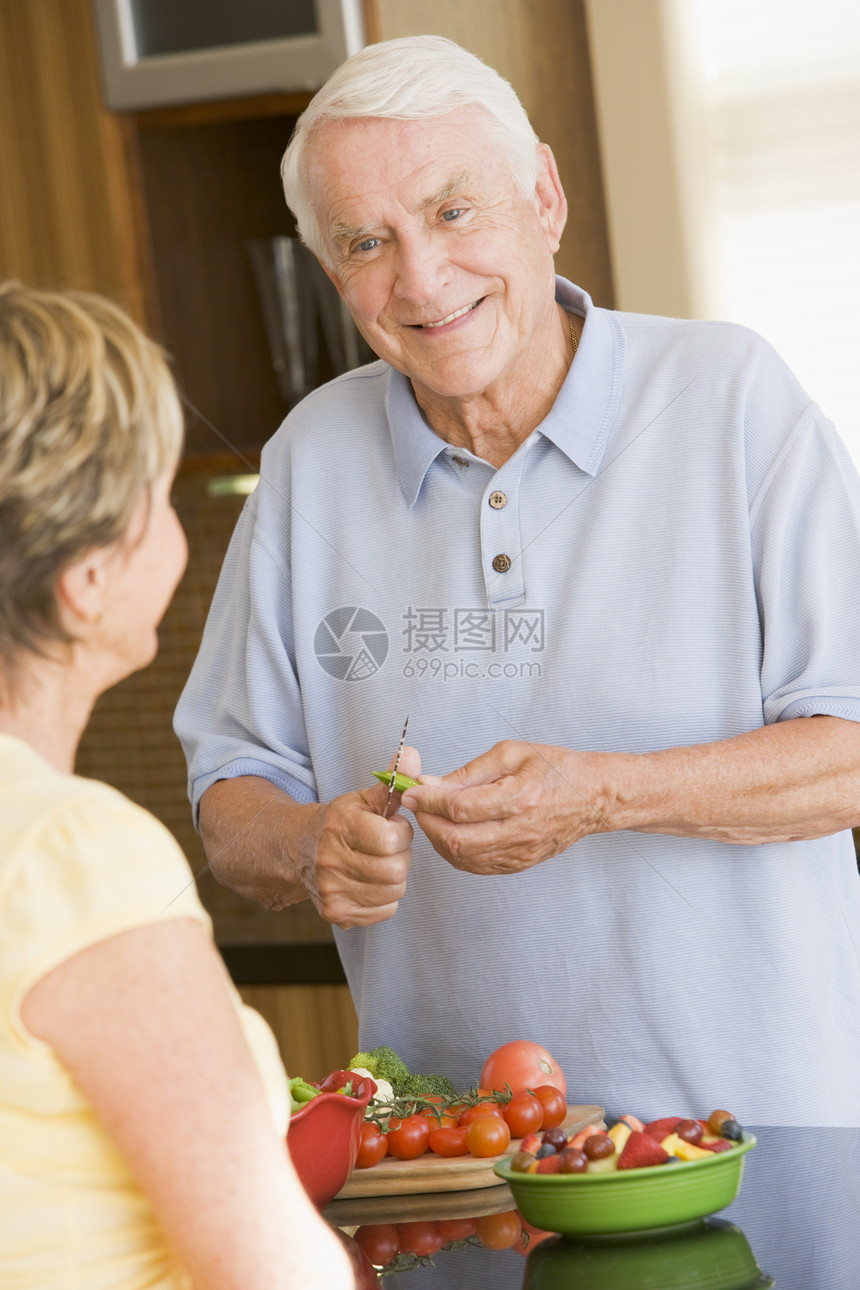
79, 863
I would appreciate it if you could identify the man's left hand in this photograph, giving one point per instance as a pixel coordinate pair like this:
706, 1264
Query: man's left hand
520, 803
512, 807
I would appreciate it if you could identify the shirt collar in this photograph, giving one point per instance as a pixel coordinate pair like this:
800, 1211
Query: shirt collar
416, 446
578, 422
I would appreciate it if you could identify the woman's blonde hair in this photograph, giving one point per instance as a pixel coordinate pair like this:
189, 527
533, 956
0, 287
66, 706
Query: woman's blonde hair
89, 421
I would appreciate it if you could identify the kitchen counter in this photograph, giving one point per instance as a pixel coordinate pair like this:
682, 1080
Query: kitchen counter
795, 1225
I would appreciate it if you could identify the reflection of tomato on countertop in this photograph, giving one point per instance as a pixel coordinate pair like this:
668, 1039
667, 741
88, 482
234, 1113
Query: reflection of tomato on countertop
402, 1246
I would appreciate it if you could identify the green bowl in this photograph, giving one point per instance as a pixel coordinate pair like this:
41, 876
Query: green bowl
630, 1200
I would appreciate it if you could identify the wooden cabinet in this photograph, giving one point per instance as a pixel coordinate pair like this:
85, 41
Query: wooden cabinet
157, 208
70, 209
87, 195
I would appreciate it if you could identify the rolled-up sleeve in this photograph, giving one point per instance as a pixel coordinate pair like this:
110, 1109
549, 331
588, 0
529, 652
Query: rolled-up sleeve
241, 710
805, 530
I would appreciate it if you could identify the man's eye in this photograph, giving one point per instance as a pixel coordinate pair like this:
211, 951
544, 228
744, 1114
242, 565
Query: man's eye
369, 244
454, 213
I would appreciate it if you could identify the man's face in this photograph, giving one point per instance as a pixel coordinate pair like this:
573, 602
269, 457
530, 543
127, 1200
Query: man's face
446, 268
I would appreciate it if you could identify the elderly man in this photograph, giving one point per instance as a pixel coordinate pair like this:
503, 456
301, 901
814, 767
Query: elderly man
609, 565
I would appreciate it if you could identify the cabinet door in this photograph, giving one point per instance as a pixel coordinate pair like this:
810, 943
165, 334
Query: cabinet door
69, 198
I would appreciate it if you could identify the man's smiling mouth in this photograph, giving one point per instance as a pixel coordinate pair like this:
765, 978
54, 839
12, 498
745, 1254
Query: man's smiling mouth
458, 313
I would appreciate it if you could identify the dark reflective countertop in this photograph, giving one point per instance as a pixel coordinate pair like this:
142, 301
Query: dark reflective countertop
795, 1225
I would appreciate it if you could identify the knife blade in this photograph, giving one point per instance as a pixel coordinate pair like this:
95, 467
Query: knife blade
395, 770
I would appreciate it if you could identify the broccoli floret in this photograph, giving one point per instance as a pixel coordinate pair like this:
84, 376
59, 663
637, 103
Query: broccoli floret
428, 1086
383, 1063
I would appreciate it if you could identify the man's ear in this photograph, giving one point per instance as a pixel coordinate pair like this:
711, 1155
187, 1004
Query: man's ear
82, 586
552, 203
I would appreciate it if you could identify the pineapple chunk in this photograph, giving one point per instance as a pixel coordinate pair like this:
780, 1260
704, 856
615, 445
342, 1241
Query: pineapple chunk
606, 1165
683, 1150
619, 1133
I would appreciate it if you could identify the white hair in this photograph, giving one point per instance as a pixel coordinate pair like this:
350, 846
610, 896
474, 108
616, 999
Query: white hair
413, 78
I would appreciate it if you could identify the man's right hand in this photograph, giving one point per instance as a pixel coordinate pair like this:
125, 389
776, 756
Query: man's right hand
343, 854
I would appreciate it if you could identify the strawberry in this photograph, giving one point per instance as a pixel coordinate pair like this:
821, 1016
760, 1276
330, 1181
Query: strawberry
641, 1150
661, 1129
549, 1165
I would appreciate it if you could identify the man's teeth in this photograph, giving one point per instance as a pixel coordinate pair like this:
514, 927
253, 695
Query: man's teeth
458, 313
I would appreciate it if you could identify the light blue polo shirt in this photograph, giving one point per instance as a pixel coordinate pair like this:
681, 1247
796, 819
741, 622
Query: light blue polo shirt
672, 557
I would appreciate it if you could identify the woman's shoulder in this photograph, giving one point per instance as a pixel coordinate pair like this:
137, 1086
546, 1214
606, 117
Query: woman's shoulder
79, 856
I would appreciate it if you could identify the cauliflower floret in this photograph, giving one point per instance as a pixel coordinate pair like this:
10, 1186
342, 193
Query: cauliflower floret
384, 1091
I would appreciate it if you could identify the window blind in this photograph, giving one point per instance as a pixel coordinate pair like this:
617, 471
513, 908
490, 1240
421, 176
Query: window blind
780, 84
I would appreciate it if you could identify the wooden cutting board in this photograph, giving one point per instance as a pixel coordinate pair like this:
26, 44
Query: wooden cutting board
422, 1206
431, 1173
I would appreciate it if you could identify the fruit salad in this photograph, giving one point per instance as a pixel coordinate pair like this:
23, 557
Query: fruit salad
627, 1143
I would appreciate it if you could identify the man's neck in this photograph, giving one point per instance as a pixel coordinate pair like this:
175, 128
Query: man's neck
495, 422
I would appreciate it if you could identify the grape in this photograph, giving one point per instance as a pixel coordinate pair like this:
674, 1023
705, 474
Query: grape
599, 1146
572, 1161
690, 1131
716, 1120
556, 1138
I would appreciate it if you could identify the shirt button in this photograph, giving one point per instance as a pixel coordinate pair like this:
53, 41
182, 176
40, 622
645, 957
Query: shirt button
498, 500
501, 563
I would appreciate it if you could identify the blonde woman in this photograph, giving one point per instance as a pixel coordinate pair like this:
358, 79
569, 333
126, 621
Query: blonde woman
143, 1109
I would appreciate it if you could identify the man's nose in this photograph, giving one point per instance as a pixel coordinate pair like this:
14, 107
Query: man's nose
422, 267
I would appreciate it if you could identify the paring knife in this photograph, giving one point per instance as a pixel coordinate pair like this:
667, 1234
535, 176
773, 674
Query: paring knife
395, 770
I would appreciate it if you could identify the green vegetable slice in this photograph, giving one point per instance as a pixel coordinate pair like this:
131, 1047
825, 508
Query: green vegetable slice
300, 1093
401, 782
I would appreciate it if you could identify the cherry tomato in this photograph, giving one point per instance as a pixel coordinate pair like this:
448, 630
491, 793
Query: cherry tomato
372, 1146
447, 1120
554, 1104
488, 1136
362, 1265
431, 1111
438, 1118
420, 1238
499, 1231
478, 1112
449, 1141
530, 1237
409, 1138
456, 1229
379, 1241
522, 1064
523, 1114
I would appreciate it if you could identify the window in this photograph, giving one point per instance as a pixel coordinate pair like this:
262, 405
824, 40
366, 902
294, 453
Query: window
730, 143
782, 100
